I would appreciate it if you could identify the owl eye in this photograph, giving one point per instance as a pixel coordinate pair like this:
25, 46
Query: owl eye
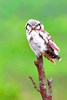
28, 27
38, 27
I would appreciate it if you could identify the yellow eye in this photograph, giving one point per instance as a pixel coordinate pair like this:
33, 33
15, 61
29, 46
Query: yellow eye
38, 27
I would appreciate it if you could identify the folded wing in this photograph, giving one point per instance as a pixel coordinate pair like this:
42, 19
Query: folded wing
49, 40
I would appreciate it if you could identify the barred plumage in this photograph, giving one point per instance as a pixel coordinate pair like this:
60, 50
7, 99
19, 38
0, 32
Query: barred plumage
40, 41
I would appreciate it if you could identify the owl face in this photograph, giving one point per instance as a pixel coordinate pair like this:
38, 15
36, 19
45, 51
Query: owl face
33, 25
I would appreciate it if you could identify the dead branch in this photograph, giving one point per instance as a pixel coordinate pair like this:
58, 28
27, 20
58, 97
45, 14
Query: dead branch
34, 84
42, 80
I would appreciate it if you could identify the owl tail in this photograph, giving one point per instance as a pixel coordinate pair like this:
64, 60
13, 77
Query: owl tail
49, 57
57, 57
52, 57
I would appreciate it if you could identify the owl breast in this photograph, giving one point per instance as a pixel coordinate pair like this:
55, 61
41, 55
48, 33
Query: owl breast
36, 43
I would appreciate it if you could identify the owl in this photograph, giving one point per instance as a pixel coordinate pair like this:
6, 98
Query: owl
40, 41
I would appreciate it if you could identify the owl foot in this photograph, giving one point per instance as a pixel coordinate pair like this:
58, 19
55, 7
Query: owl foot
39, 61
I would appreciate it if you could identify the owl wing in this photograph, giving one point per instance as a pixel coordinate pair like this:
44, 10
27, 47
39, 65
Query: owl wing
53, 44
49, 41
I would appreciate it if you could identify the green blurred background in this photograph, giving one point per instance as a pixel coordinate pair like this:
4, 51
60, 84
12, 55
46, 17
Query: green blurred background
16, 57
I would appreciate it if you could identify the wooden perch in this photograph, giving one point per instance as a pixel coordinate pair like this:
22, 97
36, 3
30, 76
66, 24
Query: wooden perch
42, 81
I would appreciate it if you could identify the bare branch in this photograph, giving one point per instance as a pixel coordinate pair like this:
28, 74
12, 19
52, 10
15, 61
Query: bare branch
50, 88
34, 84
42, 80
41, 74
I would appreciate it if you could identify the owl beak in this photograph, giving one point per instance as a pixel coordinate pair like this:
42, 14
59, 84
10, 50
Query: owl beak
33, 28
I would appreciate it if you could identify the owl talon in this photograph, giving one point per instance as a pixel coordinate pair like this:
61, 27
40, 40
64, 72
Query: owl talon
36, 62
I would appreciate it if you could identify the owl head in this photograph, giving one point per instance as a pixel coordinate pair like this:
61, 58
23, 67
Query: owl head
34, 25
